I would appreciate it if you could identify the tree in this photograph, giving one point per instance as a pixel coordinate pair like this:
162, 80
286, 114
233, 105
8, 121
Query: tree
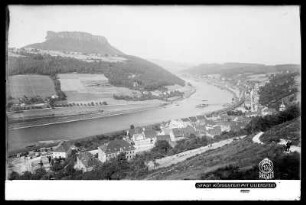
14, 176
161, 147
39, 173
132, 127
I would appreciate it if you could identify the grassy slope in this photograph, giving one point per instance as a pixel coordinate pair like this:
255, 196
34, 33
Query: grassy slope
244, 154
30, 85
289, 130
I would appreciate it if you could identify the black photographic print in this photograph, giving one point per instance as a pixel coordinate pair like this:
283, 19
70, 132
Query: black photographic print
160, 102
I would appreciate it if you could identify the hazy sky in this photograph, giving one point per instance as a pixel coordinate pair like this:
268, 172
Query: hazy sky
191, 34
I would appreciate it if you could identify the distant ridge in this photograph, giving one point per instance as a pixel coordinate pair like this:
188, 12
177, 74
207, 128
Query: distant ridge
76, 42
228, 69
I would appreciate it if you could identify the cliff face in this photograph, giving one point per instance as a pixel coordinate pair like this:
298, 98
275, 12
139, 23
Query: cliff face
76, 42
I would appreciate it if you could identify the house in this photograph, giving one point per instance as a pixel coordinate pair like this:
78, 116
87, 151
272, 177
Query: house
136, 130
85, 162
185, 120
177, 124
181, 133
167, 131
144, 141
267, 111
114, 148
163, 137
193, 119
201, 120
225, 126
150, 133
282, 107
200, 129
61, 151
216, 130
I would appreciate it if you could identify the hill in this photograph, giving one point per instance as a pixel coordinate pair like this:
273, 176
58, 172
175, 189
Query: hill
232, 69
282, 87
130, 71
76, 42
238, 160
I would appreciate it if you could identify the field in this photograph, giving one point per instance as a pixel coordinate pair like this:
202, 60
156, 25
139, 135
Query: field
90, 87
30, 85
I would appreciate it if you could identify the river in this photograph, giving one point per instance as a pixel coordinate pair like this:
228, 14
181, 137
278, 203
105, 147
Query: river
79, 129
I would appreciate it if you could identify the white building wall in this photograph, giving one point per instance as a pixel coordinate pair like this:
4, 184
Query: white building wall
101, 155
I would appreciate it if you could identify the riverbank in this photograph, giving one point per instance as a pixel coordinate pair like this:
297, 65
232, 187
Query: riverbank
62, 120
51, 119
177, 109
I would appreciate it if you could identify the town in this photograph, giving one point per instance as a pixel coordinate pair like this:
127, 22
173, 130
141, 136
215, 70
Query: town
137, 140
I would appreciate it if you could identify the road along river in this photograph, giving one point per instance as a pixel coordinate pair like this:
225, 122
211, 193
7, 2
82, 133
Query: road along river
214, 96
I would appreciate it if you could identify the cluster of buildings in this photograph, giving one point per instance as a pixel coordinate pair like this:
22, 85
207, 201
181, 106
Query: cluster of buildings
138, 140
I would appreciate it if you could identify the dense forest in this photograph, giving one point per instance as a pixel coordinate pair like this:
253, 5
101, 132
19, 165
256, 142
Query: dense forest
148, 75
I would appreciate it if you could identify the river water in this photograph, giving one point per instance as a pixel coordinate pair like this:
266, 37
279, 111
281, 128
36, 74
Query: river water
72, 130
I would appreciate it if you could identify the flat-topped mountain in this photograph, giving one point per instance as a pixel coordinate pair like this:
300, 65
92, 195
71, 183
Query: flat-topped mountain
76, 42
56, 55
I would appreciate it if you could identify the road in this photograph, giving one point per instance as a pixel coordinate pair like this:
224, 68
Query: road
174, 159
256, 138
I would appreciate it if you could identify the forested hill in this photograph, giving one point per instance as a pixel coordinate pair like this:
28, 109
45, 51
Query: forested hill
148, 75
76, 42
129, 72
232, 69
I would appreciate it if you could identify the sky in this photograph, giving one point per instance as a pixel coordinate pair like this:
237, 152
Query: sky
185, 34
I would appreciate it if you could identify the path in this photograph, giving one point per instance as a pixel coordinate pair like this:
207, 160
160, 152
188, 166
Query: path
293, 148
256, 138
174, 159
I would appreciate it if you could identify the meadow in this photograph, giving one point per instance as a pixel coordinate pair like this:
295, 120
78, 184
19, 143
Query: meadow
30, 86
90, 87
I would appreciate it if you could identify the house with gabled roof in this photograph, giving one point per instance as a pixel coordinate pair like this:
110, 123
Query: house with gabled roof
144, 141
181, 133
150, 133
193, 119
185, 119
114, 148
200, 129
216, 130
85, 162
163, 137
62, 150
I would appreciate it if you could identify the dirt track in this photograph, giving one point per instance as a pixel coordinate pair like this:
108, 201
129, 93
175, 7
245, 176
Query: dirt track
170, 160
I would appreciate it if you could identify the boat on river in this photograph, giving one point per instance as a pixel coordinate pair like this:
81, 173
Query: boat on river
201, 105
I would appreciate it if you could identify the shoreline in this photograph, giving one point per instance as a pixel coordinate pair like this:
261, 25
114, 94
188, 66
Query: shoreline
102, 115
128, 112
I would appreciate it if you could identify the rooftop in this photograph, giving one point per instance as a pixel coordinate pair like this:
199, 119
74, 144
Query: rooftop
149, 133
116, 146
63, 147
201, 117
193, 119
87, 159
163, 137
